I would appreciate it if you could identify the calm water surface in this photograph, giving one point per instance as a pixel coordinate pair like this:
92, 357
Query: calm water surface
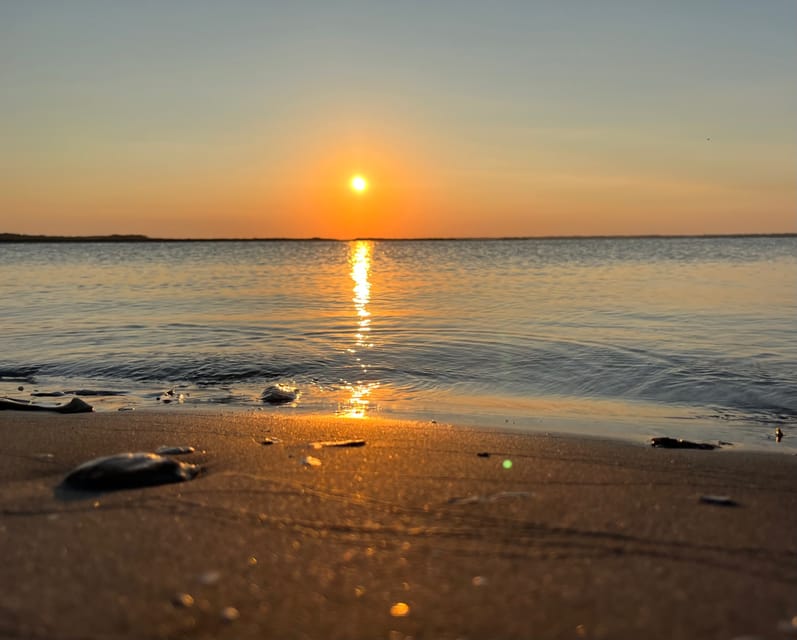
693, 337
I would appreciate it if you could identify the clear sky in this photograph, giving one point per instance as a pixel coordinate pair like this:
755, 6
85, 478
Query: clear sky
244, 119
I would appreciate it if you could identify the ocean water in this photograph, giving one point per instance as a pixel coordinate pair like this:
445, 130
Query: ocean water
631, 337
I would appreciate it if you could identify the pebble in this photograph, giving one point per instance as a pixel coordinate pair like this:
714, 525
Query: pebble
129, 470
230, 614
278, 394
185, 600
310, 461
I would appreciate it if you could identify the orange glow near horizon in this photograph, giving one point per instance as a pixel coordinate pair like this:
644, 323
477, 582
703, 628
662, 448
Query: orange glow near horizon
349, 186
415, 186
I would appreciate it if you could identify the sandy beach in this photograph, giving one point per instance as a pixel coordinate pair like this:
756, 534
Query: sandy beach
413, 535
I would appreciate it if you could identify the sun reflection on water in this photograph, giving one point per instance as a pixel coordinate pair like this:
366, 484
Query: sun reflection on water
356, 406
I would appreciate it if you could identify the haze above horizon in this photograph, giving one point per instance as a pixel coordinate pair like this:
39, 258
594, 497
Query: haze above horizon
197, 120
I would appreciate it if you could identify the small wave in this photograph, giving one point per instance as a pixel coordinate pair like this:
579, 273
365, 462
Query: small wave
19, 373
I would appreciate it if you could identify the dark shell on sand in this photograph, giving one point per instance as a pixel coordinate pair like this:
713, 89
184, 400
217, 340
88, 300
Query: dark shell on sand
75, 405
129, 470
278, 394
677, 443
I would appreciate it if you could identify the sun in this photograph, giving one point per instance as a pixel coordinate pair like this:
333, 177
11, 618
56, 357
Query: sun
359, 184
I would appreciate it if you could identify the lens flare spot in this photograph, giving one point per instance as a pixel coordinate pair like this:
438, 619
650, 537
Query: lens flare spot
507, 464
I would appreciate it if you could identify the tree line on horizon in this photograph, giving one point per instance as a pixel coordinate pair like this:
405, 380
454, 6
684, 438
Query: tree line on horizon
137, 237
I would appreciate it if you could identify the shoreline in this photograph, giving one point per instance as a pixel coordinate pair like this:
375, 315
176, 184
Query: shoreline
576, 537
631, 421
586, 418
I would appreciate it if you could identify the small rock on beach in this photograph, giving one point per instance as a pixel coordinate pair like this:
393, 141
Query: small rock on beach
278, 394
230, 614
128, 471
75, 405
184, 600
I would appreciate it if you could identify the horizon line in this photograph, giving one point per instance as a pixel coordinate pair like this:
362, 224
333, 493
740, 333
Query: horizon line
133, 237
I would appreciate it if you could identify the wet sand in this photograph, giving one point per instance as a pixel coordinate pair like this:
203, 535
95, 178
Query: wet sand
411, 535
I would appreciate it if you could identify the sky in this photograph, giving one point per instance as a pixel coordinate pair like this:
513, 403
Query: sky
467, 119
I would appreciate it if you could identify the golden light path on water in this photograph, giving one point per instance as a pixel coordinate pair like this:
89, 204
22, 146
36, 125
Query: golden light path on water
356, 406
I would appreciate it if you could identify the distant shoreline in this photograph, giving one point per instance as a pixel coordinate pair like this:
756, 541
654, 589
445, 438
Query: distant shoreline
18, 238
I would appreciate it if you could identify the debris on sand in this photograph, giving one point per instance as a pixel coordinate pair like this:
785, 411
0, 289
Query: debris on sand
175, 451
75, 405
170, 396
95, 392
720, 501
483, 454
278, 394
338, 443
129, 470
269, 441
678, 443
310, 461
491, 497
